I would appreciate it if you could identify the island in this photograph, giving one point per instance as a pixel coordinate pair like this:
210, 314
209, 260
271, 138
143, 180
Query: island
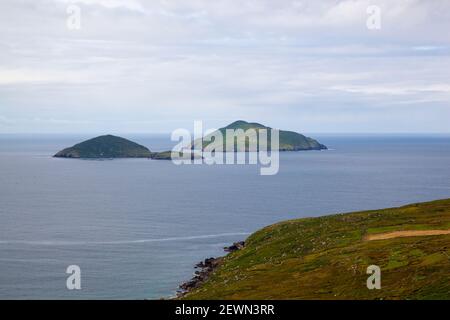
108, 147
112, 147
288, 140
336, 257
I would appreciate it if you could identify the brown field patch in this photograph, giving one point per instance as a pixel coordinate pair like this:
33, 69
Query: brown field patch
403, 234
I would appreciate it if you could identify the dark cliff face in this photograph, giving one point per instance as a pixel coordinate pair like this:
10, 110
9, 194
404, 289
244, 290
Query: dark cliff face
107, 146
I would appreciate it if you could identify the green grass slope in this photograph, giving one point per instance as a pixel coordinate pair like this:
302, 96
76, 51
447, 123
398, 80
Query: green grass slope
327, 258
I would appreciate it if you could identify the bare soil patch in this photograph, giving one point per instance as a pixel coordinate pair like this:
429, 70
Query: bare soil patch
409, 233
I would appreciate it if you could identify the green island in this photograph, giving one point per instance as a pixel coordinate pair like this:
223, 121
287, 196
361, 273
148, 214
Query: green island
107, 146
110, 147
289, 140
327, 258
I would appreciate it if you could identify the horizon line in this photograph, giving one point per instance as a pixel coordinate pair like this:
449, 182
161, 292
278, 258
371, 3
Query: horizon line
169, 133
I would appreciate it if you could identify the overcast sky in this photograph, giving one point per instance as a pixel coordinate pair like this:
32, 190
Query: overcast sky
154, 66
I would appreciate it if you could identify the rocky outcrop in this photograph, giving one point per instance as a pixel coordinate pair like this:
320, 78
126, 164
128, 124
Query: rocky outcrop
235, 247
204, 270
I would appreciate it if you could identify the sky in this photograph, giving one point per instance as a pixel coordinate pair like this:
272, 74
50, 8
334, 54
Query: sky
147, 66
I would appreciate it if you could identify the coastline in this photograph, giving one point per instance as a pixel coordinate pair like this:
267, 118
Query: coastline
298, 259
204, 270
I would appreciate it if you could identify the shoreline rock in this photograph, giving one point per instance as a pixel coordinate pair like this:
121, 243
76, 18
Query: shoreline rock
235, 247
204, 270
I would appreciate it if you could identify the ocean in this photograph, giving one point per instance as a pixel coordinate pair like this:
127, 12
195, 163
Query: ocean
137, 227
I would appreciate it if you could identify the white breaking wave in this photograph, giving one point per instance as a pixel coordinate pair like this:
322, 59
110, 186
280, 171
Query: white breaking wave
81, 243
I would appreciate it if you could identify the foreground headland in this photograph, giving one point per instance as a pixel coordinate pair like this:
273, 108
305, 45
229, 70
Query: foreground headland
332, 257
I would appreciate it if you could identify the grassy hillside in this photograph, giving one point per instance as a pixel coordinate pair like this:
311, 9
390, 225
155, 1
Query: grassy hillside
327, 258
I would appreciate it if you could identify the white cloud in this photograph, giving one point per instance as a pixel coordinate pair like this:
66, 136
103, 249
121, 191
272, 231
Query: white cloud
45, 76
133, 5
395, 89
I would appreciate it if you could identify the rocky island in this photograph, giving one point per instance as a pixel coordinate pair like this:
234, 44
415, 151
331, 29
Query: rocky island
289, 140
107, 147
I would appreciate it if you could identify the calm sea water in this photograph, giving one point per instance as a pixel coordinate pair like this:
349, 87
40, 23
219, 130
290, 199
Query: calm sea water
137, 227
